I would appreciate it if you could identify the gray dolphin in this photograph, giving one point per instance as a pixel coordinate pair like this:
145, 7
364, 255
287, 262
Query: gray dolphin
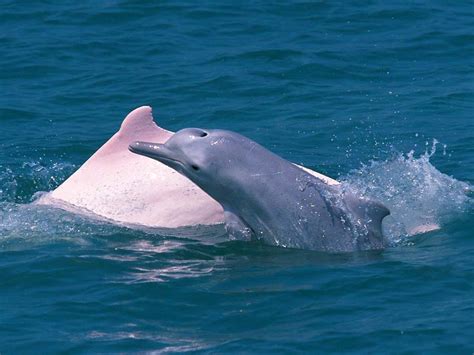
266, 197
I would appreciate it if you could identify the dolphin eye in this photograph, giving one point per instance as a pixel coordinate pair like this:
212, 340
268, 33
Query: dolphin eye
195, 167
203, 134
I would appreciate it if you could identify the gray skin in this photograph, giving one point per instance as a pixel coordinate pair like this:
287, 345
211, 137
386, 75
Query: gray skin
267, 197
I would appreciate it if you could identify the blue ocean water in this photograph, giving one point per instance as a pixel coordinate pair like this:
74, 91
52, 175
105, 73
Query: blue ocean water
377, 94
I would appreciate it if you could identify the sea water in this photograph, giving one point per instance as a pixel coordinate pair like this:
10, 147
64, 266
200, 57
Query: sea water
376, 94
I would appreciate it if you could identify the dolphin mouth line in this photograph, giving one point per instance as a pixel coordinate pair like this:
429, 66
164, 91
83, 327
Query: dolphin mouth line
169, 160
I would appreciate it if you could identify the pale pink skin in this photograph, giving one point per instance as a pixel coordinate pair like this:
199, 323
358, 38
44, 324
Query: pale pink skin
134, 190
131, 189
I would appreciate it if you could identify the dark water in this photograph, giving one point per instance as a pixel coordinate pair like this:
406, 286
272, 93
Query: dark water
358, 91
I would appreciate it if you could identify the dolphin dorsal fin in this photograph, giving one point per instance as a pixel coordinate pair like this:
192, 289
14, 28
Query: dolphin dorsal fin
140, 123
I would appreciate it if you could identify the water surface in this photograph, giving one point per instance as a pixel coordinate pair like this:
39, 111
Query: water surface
360, 92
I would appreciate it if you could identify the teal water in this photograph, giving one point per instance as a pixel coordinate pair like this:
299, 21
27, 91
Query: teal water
358, 91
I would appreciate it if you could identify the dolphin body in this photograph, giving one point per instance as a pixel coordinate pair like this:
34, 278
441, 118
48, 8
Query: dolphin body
266, 197
132, 190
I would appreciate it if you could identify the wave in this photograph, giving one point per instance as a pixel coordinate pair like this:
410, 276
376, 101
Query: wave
420, 197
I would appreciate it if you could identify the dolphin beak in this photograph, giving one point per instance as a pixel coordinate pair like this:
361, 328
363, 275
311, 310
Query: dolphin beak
155, 151
151, 150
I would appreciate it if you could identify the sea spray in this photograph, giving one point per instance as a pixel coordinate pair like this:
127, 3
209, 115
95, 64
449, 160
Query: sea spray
420, 197
20, 183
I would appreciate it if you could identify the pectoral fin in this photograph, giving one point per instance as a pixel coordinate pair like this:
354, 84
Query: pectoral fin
374, 211
370, 214
236, 227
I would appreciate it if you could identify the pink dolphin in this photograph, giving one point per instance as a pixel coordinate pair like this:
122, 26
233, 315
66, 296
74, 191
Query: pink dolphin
134, 190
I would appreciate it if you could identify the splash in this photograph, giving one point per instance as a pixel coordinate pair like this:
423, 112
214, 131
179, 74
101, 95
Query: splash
420, 197
20, 183
25, 225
